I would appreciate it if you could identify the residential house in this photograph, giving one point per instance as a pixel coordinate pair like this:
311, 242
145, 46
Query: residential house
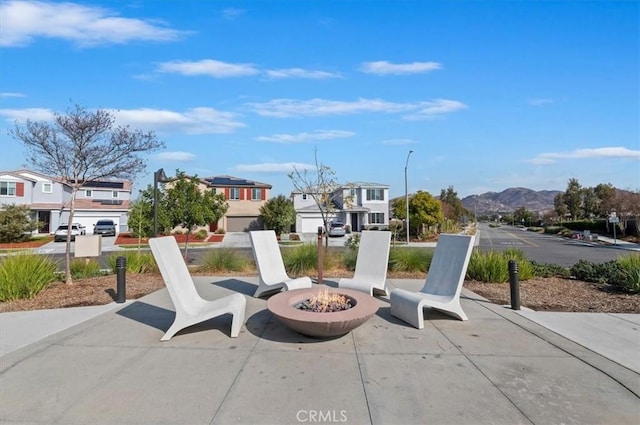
49, 199
359, 205
245, 197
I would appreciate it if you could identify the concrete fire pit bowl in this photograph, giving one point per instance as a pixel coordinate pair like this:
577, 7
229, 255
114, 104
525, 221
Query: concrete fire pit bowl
322, 324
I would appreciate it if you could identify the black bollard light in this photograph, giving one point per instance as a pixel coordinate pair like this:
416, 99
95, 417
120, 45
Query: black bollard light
121, 278
514, 285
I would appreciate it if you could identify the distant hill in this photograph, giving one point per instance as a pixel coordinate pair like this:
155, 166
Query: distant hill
510, 200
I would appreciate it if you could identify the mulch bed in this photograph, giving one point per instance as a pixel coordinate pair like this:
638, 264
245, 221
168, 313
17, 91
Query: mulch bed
127, 239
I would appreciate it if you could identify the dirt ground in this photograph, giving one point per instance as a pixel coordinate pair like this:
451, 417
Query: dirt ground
541, 294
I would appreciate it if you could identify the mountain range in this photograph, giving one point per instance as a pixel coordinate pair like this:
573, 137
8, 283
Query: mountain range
510, 200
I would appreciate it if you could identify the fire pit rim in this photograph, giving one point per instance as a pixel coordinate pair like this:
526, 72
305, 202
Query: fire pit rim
322, 324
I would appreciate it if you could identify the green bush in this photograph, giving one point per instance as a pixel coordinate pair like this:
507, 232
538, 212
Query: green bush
610, 272
223, 260
201, 234
410, 259
24, 275
137, 262
302, 259
550, 270
631, 266
553, 230
81, 268
493, 266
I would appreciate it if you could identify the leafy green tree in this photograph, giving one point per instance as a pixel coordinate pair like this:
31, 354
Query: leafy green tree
424, 211
278, 214
15, 223
399, 208
452, 207
560, 206
573, 198
141, 214
605, 193
523, 216
189, 205
83, 146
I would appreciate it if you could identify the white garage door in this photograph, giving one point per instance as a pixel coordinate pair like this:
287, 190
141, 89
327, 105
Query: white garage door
89, 219
308, 224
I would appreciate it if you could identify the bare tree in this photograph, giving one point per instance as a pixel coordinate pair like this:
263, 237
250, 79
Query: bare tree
321, 186
83, 146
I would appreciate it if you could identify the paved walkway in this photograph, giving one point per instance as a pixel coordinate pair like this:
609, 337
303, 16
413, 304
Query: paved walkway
497, 368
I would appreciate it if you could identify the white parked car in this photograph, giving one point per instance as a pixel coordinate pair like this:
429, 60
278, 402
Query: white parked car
337, 228
61, 232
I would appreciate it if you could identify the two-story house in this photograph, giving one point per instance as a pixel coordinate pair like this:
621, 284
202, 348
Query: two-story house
359, 205
245, 198
49, 199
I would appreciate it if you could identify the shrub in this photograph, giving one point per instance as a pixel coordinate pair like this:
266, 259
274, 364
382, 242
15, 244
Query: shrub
610, 272
631, 266
553, 230
493, 266
224, 259
136, 262
353, 241
201, 234
24, 275
81, 268
550, 270
303, 259
410, 259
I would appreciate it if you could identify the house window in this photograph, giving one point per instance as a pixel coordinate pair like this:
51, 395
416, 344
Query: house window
114, 194
375, 194
8, 188
256, 194
47, 187
234, 193
88, 193
304, 196
376, 218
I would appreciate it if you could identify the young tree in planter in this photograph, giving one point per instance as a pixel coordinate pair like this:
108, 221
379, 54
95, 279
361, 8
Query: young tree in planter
15, 224
189, 205
83, 146
320, 186
278, 214
424, 210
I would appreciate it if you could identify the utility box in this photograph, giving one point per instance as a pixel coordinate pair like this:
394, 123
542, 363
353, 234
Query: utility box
88, 246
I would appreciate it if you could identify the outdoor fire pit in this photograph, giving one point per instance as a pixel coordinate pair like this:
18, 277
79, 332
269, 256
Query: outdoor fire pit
322, 311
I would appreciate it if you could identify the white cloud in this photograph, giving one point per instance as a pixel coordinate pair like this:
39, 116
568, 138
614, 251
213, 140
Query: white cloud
398, 142
208, 67
304, 137
301, 73
608, 152
232, 13
270, 167
317, 107
200, 120
24, 21
539, 101
9, 94
387, 68
22, 115
175, 156
436, 108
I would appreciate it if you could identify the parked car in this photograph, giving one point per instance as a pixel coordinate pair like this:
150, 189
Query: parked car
104, 227
337, 228
83, 230
61, 232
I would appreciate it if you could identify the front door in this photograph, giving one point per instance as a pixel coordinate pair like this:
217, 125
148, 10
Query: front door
44, 217
355, 226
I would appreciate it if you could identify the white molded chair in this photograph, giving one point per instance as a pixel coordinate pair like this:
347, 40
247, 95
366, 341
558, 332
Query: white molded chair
273, 276
190, 307
443, 285
371, 265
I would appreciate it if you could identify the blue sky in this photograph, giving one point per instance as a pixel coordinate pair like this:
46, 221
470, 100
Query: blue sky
488, 94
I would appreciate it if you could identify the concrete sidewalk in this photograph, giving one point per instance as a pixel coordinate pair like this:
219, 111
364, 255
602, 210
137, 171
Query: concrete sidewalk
498, 367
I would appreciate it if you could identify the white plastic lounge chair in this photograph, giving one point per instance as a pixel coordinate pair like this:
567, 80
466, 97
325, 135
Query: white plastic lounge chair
190, 307
371, 265
273, 276
442, 287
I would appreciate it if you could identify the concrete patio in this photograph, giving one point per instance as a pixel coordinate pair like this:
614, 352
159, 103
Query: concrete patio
497, 368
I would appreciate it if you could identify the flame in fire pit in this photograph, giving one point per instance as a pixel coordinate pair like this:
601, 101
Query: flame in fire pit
326, 302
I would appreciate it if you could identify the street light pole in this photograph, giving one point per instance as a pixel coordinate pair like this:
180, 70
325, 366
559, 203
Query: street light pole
406, 193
